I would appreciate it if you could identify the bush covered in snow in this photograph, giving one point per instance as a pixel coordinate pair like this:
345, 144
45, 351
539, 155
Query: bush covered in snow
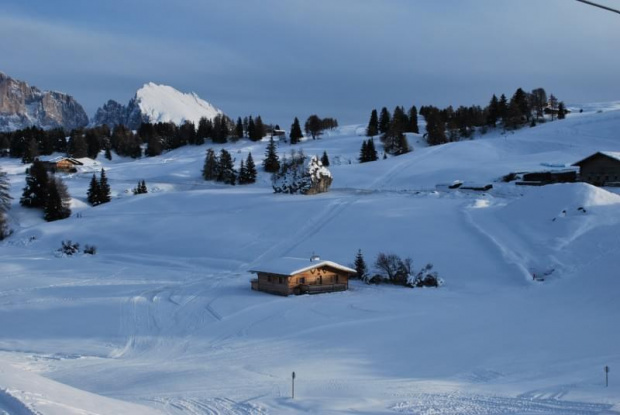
297, 177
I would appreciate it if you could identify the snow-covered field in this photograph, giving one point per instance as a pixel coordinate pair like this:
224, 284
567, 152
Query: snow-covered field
162, 320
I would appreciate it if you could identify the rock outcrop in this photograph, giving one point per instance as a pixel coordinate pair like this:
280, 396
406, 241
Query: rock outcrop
22, 106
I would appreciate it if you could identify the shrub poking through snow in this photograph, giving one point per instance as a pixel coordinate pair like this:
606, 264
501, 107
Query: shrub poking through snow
297, 177
426, 277
69, 248
396, 270
90, 249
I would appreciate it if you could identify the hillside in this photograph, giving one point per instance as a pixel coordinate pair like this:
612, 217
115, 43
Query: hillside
162, 320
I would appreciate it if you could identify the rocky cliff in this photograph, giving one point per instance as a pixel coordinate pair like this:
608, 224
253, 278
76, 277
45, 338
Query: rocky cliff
22, 106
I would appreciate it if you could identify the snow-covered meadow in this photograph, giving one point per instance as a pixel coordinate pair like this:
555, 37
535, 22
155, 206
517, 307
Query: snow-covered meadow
162, 319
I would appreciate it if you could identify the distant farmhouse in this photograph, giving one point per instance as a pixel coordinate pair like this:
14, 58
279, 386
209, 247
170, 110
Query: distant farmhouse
288, 276
600, 169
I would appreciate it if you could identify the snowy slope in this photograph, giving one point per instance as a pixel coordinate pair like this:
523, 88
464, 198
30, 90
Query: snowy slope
162, 103
163, 316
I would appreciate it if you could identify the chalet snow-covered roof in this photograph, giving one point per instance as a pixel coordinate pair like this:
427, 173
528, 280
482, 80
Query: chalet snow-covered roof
291, 266
611, 154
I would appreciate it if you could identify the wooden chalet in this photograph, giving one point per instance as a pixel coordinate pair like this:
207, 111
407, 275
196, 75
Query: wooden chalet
65, 164
600, 169
288, 276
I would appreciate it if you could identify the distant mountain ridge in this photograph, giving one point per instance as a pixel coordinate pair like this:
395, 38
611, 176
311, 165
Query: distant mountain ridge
23, 106
155, 103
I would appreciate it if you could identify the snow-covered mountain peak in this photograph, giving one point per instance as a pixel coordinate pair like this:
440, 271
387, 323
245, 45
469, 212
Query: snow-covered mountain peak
163, 103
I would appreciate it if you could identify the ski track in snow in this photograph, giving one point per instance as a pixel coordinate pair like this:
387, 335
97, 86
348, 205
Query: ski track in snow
310, 228
212, 406
451, 404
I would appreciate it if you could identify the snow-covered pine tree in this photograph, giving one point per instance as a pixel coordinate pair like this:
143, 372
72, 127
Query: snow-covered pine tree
295, 176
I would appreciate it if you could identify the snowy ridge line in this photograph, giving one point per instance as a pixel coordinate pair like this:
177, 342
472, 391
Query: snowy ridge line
11, 405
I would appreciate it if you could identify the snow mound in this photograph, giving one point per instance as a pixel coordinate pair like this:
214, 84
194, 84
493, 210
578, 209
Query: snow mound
551, 201
162, 103
555, 216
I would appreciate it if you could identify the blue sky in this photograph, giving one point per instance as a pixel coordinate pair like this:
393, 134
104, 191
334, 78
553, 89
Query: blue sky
339, 58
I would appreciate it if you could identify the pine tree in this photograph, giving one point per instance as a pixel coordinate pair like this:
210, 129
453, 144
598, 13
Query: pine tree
502, 107
561, 111
413, 120
243, 174
140, 189
205, 130
384, 121
373, 124
108, 153
93, 193
372, 152
77, 146
226, 168
295, 134
435, 128
57, 201
209, 171
259, 129
271, 162
239, 128
31, 151
325, 159
250, 169
400, 121
5, 204
360, 266
5, 192
35, 193
154, 146
104, 188
251, 129
493, 111
363, 158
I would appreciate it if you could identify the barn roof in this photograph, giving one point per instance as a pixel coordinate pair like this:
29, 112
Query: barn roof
611, 154
291, 266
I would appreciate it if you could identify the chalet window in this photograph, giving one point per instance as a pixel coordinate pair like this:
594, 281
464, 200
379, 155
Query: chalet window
268, 278
302, 280
336, 279
279, 280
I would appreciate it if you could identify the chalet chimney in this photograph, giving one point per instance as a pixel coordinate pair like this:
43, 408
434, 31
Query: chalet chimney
315, 258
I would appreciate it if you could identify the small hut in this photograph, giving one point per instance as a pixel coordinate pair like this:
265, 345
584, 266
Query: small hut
600, 169
287, 276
